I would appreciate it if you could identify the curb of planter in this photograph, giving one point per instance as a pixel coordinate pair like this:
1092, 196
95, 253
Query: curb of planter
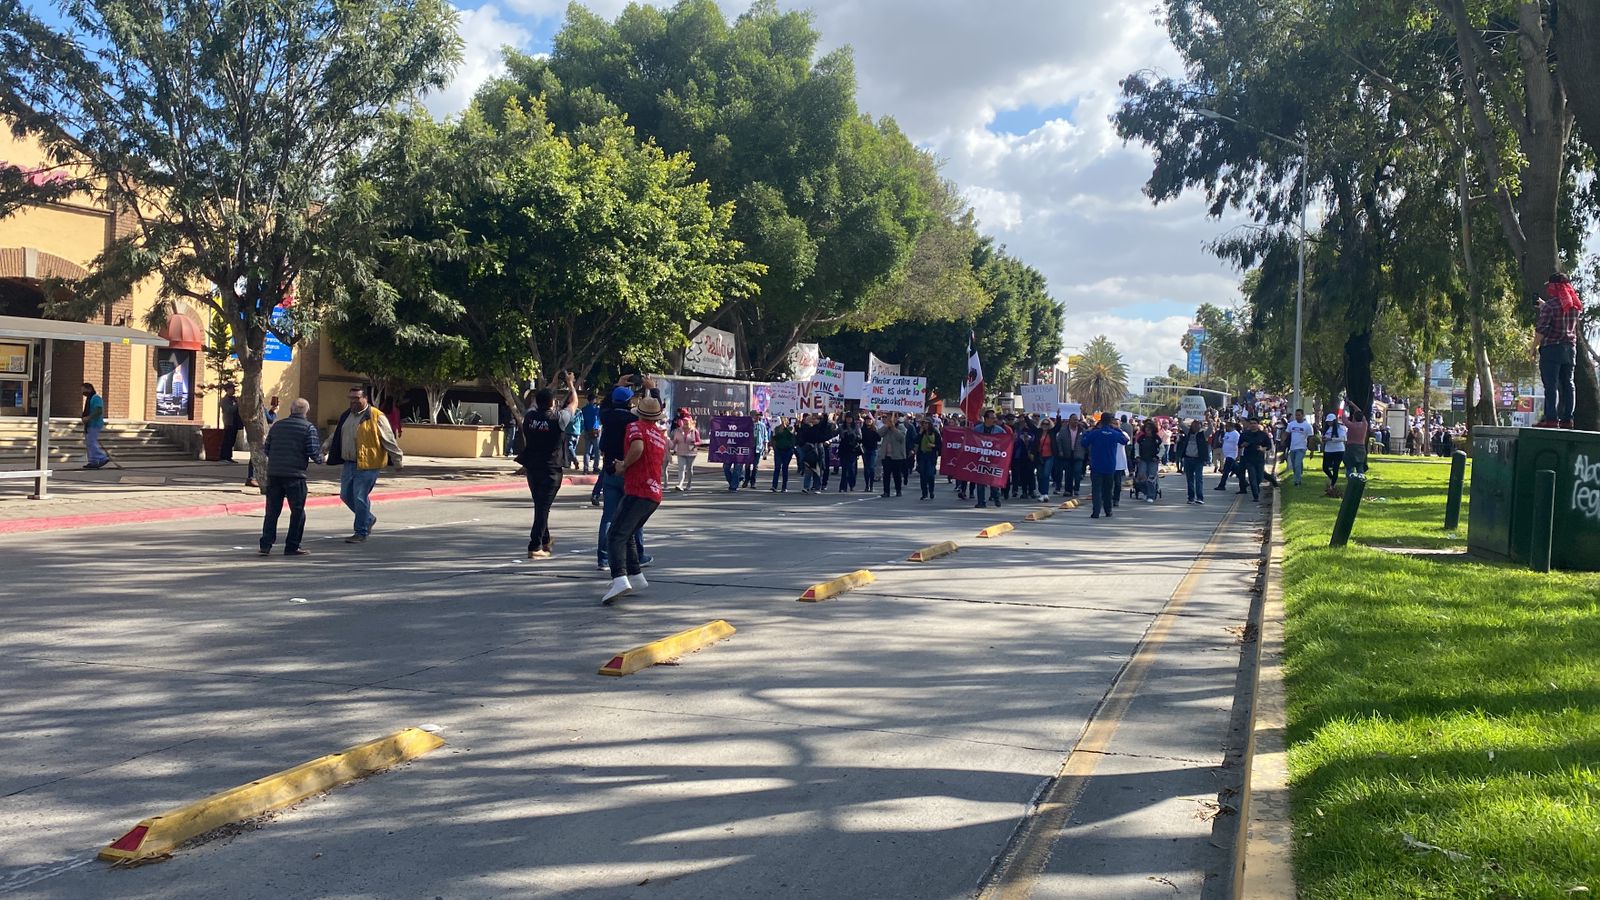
240, 508
1263, 850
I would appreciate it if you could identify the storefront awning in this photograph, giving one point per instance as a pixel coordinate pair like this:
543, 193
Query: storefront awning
82, 332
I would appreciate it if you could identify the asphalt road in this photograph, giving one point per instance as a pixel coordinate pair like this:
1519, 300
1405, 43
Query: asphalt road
891, 742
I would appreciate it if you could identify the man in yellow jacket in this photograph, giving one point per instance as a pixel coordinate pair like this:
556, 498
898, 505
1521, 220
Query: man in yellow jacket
364, 443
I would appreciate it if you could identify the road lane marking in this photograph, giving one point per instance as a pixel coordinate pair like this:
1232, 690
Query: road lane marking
1016, 871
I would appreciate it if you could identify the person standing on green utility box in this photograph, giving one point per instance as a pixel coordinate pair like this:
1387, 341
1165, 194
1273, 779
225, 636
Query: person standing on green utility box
1557, 329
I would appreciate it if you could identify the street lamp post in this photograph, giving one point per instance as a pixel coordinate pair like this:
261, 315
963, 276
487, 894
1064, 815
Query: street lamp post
1305, 198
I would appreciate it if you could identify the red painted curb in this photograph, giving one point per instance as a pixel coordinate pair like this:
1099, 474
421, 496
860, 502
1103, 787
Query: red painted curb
135, 516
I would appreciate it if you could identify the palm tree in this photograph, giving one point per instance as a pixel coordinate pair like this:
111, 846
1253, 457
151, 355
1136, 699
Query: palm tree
1100, 379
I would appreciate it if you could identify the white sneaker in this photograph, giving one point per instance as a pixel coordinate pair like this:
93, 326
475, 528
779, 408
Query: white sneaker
638, 581
619, 586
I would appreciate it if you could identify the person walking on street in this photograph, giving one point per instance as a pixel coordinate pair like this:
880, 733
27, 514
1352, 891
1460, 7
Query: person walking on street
615, 423
1557, 330
544, 443
363, 443
1230, 456
1105, 445
894, 454
1333, 435
685, 446
590, 414
989, 425
1299, 432
640, 469
1194, 455
849, 453
1070, 449
1147, 461
928, 449
1254, 446
291, 446
783, 443
94, 421
871, 441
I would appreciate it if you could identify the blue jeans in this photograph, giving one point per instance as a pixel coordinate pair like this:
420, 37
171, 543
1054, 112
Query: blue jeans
847, 472
591, 453
354, 486
1557, 365
734, 473
279, 490
869, 466
611, 489
1194, 473
980, 490
780, 465
91, 440
1046, 466
1104, 488
1297, 462
1074, 479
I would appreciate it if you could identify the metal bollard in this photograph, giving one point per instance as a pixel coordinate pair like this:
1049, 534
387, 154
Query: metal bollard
1544, 516
1452, 503
1355, 484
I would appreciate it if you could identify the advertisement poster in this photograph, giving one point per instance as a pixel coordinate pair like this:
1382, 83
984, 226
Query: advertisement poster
976, 458
896, 393
174, 383
1040, 399
14, 359
732, 439
710, 352
276, 350
705, 398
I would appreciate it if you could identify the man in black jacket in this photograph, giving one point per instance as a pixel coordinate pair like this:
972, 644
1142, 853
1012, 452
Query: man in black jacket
291, 445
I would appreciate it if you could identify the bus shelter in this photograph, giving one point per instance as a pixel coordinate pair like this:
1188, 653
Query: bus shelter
45, 333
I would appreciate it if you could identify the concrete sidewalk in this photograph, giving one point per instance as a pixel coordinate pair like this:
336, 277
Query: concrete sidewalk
152, 491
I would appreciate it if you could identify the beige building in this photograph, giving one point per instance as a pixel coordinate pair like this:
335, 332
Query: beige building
170, 384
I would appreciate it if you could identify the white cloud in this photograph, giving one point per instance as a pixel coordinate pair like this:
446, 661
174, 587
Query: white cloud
484, 31
1148, 346
1064, 197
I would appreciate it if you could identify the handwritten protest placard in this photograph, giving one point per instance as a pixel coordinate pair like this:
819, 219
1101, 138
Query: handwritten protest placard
896, 393
975, 458
1040, 399
733, 439
829, 378
784, 398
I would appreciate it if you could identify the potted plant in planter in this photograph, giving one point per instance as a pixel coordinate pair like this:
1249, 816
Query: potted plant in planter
219, 359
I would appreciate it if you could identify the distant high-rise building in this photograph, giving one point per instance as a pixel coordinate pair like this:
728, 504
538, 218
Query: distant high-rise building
1197, 358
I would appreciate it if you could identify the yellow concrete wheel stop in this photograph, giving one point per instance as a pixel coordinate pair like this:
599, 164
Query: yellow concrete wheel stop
934, 551
833, 587
156, 836
996, 530
643, 657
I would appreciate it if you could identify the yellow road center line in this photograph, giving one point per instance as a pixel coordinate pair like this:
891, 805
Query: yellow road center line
1019, 868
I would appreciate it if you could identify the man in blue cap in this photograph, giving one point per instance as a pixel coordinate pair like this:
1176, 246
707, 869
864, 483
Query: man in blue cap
614, 424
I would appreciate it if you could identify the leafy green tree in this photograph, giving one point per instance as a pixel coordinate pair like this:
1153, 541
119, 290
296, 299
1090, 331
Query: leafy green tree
1100, 379
827, 200
216, 129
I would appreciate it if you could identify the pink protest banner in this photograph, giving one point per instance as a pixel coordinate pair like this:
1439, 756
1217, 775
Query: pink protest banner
733, 439
975, 458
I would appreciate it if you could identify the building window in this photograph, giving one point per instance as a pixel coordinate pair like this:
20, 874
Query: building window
175, 383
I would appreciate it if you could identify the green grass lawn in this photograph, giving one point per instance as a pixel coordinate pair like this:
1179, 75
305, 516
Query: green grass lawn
1436, 701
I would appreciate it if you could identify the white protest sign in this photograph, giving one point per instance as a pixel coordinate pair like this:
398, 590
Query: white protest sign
710, 352
877, 367
1192, 407
784, 399
1040, 399
855, 385
829, 378
897, 393
1067, 410
803, 361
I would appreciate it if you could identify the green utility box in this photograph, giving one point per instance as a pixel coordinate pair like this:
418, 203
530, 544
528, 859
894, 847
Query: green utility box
1500, 518
1575, 458
1494, 491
